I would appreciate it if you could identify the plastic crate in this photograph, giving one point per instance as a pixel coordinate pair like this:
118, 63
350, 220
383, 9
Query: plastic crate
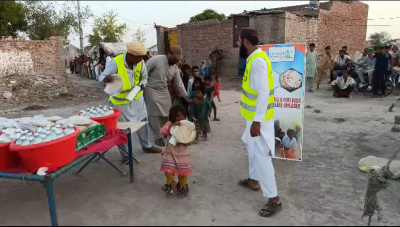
90, 135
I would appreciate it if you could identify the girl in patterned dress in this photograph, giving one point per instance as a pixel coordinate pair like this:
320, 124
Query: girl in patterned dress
175, 159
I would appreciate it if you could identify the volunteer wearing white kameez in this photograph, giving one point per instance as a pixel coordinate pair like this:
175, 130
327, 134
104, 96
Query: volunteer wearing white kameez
257, 108
136, 110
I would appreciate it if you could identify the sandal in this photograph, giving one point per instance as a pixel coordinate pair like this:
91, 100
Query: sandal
170, 189
270, 209
182, 190
245, 183
165, 187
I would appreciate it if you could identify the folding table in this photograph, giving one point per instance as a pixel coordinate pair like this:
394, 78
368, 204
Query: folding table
47, 180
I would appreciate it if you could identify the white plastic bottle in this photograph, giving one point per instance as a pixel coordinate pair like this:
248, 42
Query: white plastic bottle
69, 129
111, 112
59, 133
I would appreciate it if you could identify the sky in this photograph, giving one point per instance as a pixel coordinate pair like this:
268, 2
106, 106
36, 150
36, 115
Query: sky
143, 14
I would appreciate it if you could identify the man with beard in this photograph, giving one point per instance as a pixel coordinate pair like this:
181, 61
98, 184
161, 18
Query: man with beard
257, 102
162, 69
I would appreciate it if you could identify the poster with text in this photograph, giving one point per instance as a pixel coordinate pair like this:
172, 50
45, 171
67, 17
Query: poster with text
288, 68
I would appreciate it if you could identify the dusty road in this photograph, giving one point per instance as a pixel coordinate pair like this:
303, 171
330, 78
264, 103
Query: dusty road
325, 189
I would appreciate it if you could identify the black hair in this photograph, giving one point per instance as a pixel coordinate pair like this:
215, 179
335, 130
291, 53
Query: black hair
327, 47
208, 78
312, 44
197, 79
344, 47
290, 131
173, 112
341, 51
253, 40
201, 88
195, 67
185, 67
387, 47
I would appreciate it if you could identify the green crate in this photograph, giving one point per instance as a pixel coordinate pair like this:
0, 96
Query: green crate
90, 135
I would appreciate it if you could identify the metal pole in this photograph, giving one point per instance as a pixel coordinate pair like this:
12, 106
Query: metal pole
80, 24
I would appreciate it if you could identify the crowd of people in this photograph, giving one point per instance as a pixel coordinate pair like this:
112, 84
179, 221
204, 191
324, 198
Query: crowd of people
369, 71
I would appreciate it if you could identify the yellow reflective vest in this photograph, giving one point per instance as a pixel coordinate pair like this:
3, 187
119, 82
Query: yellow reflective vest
248, 100
120, 98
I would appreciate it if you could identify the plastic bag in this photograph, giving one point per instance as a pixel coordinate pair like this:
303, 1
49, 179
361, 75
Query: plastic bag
25, 124
54, 118
78, 120
39, 122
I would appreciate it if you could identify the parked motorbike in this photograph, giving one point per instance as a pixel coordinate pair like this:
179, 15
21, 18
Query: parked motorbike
389, 83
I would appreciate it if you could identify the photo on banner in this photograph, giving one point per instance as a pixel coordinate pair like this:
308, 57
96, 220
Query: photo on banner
288, 69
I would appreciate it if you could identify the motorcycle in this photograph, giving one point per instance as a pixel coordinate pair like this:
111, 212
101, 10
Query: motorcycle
389, 82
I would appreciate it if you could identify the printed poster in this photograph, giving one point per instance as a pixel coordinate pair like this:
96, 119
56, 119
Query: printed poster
288, 68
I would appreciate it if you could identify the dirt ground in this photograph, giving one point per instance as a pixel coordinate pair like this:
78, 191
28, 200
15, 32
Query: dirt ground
326, 188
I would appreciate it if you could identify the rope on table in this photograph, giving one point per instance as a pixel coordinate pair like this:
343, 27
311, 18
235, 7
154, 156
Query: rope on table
377, 181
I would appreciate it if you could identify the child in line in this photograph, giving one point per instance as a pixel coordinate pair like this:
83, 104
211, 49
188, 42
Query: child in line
210, 94
175, 160
217, 86
201, 110
290, 144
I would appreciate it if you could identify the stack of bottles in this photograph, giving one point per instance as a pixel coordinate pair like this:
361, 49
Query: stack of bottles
45, 134
99, 111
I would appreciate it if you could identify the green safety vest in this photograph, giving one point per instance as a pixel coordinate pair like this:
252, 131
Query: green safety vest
120, 99
248, 100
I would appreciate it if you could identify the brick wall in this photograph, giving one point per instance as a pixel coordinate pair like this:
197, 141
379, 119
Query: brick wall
301, 29
270, 27
25, 57
199, 39
343, 25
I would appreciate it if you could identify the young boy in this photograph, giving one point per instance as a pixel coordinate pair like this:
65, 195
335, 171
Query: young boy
200, 110
290, 144
210, 94
381, 67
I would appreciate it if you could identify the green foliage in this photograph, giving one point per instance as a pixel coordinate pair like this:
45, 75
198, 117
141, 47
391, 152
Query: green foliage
46, 19
105, 29
12, 18
379, 38
207, 14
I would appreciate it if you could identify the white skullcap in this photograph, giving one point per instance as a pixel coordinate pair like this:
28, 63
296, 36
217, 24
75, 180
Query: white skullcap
136, 49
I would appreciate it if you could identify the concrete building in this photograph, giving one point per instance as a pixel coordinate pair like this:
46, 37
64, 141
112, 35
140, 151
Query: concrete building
334, 23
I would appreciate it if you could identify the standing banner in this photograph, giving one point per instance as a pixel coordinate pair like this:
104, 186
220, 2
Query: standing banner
288, 68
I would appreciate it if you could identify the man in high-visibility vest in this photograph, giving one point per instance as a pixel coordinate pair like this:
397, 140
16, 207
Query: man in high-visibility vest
132, 69
256, 106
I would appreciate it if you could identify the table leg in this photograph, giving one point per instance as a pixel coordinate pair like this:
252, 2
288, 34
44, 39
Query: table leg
130, 156
87, 163
50, 198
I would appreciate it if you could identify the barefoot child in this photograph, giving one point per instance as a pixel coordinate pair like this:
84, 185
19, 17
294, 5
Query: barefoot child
175, 160
217, 86
210, 93
201, 110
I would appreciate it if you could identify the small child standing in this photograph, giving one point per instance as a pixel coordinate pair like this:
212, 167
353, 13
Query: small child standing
217, 86
210, 94
175, 159
201, 110
290, 144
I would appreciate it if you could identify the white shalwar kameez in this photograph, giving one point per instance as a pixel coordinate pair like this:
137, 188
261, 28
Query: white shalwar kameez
261, 148
134, 111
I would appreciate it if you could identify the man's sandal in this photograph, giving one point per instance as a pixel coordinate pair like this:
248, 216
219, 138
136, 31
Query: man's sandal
245, 183
270, 209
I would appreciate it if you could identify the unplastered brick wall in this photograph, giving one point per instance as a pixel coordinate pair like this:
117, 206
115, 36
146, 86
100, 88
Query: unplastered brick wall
343, 25
26, 57
270, 27
301, 29
199, 39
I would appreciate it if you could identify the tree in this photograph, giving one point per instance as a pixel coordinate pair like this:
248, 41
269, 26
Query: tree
207, 14
12, 18
139, 36
46, 19
105, 29
379, 38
